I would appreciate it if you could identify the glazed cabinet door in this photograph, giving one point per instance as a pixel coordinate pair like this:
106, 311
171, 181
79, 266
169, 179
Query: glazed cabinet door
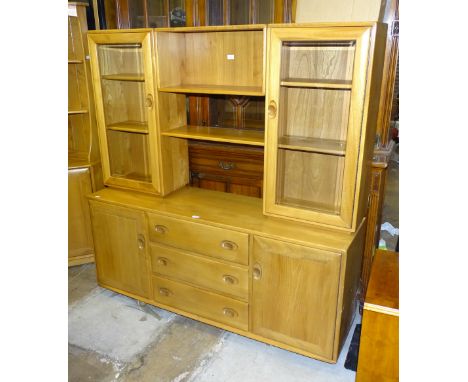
122, 73
120, 239
314, 108
294, 295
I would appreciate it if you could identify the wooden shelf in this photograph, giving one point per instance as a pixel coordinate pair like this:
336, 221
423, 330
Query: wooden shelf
214, 89
316, 145
124, 77
219, 134
323, 84
133, 176
130, 127
83, 111
75, 61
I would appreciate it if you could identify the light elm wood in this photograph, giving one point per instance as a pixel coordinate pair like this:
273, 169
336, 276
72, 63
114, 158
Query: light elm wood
120, 240
294, 294
201, 302
221, 277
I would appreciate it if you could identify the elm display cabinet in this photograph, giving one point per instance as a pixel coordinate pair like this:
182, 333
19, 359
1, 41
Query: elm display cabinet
283, 270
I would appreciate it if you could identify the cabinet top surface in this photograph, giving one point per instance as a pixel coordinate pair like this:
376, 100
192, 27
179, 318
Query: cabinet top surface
383, 289
231, 211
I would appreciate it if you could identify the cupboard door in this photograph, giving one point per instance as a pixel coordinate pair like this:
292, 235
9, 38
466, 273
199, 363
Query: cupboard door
294, 295
80, 239
123, 83
120, 248
315, 104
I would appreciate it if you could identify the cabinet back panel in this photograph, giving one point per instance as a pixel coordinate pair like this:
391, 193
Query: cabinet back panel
114, 60
200, 58
314, 113
128, 155
123, 101
77, 91
75, 44
310, 180
78, 133
316, 62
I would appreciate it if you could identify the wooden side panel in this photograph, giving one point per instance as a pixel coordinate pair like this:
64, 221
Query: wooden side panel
80, 239
120, 245
294, 295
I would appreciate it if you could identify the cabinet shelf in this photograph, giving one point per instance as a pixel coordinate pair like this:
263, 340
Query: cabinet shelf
134, 176
82, 111
317, 83
124, 77
75, 61
315, 145
130, 127
219, 134
214, 89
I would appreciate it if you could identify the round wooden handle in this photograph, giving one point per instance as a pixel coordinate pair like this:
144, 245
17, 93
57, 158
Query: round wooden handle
257, 272
162, 261
228, 312
272, 109
229, 245
162, 229
141, 242
164, 292
228, 279
149, 100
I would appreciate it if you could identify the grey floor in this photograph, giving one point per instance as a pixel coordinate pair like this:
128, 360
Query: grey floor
114, 338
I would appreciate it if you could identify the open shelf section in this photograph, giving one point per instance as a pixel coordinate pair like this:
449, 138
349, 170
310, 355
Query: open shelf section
317, 83
82, 111
214, 89
129, 127
316, 145
219, 134
124, 77
75, 61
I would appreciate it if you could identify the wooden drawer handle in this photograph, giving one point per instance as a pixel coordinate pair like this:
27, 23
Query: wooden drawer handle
272, 109
141, 241
228, 312
164, 292
149, 101
257, 272
228, 279
162, 261
162, 229
229, 245
226, 165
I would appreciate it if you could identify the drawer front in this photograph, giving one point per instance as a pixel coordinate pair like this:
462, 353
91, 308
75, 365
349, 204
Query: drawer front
206, 273
205, 304
195, 237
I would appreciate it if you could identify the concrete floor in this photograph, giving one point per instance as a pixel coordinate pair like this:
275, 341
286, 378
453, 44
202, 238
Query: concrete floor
116, 338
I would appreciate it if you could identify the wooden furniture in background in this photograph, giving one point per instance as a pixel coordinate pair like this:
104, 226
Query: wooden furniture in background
84, 170
379, 346
292, 284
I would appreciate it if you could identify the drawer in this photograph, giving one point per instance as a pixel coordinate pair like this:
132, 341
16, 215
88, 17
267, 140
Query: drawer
195, 237
229, 279
202, 303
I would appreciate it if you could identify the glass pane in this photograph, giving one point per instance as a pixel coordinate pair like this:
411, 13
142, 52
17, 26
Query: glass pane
128, 155
136, 13
309, 60
265, 11
157, 15
309, 180
177, 13
239, 12
215, 12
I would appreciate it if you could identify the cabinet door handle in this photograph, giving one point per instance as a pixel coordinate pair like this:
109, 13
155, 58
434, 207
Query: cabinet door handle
162, 261
149, 101
226, 165
228, 312
162, 229
272, 109
164, 292
141, 241
229, 245
257, 271
228, 279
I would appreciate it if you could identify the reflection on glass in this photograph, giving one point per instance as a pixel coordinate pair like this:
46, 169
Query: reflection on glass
239, 12
214, 12
177, 13
157, 17
265, 11
136, 13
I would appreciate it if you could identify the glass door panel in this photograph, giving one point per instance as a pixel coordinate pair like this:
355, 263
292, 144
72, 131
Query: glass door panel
157, 14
